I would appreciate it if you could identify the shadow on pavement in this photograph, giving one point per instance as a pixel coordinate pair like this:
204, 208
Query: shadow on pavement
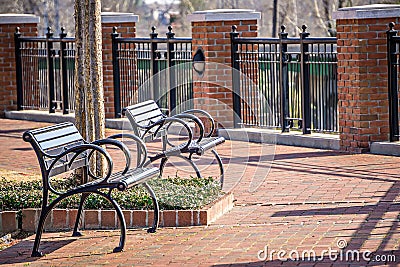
21, 252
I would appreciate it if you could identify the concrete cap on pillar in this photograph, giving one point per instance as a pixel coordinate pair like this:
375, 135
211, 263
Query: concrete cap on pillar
368, 12
224, 15
110, 17
18, 18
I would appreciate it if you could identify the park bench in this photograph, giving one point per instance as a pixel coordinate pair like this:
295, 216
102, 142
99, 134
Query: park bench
61, 148
149, 123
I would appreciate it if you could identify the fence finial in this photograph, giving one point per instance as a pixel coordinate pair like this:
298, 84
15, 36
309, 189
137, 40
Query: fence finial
63, 34
49, 33
283, 34
234, 34
170, 34
17, 30
153, 33
114, 29
304, 33
391, 26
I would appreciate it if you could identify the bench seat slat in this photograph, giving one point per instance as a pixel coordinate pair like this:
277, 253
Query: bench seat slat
50, 128
153, 116
142, 107
62, 141
133, 177
55, 133
64, 167
139, 176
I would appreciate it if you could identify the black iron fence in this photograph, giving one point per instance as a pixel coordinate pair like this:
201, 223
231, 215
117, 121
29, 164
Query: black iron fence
393, 56
152, 68
45, 72
287, 82
143, 68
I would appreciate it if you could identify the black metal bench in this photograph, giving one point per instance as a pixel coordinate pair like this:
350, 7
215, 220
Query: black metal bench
60, 148
149, 123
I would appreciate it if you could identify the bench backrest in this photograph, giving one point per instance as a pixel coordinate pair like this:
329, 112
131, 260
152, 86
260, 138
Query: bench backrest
143, 114
53, 140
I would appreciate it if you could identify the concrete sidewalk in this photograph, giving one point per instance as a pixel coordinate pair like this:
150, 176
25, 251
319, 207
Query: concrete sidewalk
305, 204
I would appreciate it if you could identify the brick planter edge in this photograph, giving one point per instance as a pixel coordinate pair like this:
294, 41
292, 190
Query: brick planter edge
64, 219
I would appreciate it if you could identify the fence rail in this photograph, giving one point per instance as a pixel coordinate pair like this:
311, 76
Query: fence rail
393, 56
292, 82
152, 68
45, 72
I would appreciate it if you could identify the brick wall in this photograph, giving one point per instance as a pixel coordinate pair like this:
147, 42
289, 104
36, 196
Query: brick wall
211, 31
362, 78
8, 86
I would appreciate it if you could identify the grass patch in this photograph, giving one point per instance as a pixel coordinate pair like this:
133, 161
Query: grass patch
172, 193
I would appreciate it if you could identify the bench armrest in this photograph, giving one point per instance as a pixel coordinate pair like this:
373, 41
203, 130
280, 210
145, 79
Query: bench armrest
207, 115
167, 121
121, 146
138, 141
77, 150
193, 118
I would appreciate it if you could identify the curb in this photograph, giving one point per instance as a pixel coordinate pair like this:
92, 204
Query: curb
64, 219
314, 140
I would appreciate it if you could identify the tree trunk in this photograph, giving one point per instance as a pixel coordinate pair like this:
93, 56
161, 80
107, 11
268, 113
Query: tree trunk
89, 111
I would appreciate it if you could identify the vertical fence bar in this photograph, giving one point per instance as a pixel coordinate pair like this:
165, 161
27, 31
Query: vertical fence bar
305, 79
171, 69
50, 71
18, 66
116, 73
284, 81
154, 66
392, 84
235, 78
64, 74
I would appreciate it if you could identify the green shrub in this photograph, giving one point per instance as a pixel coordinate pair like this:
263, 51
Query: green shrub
172, 193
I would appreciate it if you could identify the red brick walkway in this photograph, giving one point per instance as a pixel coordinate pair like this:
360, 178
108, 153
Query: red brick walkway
304, 201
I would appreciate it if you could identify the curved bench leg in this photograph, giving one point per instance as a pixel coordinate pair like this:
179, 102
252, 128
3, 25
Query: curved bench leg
39, 231
221, 167
121, 220
78, 216
43, 215
154, 227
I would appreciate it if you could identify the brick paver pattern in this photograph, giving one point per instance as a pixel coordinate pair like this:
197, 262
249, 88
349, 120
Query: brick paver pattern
304, 200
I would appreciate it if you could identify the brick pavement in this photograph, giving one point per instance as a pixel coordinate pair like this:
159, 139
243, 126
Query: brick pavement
305, 199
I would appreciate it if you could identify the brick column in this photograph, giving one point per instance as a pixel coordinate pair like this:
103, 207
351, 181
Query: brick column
126, 26
211, 31
363, 74
8, 80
